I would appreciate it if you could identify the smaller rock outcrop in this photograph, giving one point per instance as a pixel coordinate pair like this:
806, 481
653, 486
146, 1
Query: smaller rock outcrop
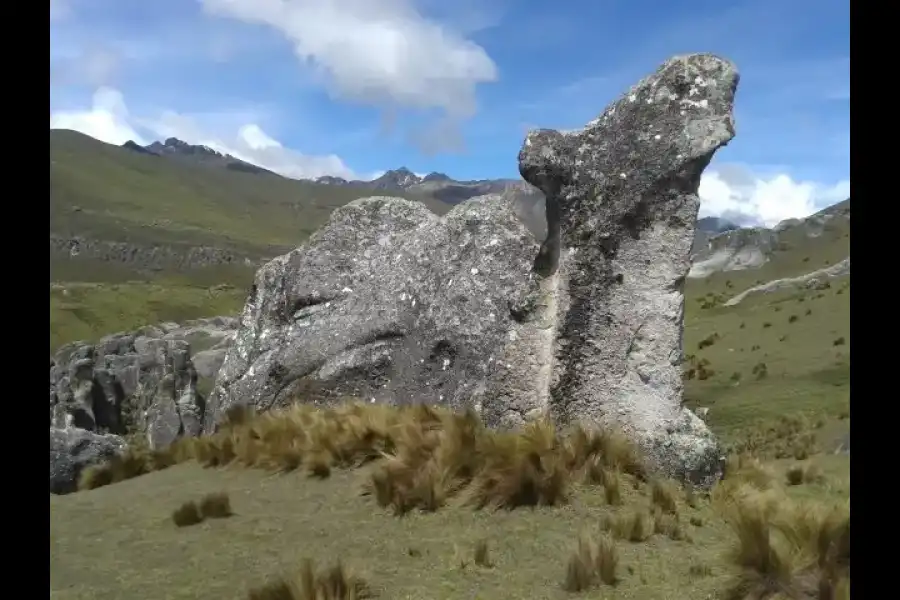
72, 450
139, 382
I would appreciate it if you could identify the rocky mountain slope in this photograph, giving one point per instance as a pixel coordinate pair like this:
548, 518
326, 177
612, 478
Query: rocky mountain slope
197, 154
134, 212
825, 235
188, 190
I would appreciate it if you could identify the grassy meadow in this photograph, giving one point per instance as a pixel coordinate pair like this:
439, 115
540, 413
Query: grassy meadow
421, 504
369, 502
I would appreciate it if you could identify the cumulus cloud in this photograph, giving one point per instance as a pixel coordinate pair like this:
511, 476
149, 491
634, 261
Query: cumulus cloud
737, 194
375, 52
384, 54
106, 120
109, 120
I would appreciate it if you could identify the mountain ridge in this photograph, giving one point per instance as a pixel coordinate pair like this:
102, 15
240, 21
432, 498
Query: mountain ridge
719, 244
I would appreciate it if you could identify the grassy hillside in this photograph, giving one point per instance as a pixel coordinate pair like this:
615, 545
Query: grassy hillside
86, 311
120, 540
798, 253
110, 193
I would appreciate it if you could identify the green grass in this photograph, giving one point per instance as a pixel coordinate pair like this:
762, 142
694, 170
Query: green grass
89, 311
798, 254
119, 540
805, 372
142, 199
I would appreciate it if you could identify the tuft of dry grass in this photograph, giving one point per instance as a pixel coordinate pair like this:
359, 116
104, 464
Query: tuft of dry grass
788, 436
664, 494
804, 474
796, 550
592, 562
215, 506
612, 487
187, 514
636, 525
669, 525
137, 460
333, 583
482, 555
419, 457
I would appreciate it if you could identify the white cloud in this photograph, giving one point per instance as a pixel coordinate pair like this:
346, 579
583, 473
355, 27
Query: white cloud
109, 120
382, 53
739, 195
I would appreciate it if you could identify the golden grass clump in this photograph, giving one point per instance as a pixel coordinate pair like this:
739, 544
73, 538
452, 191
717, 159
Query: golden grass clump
333, 583
796, 550
420, 456
668, 524
592, 562
482, 555
804, 474
792, 436
635, 525
664, 494
215, 506
136, 460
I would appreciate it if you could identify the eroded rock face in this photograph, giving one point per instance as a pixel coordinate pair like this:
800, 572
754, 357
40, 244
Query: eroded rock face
391, 303
72, 450
388, 302
621, 209
138, 382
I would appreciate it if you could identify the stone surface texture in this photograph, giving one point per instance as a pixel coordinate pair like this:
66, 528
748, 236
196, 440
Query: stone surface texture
72, 449
140, 382
393, 304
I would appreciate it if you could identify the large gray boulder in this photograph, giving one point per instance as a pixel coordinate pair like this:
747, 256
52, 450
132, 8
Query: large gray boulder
394, 304
622, 211
138, 382
72, 450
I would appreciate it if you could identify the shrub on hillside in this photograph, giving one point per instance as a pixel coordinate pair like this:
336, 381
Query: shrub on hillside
215, 506
187, 514
708, 341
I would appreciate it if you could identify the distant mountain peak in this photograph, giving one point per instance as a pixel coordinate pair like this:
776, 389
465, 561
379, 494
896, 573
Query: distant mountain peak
135, 147
401, 178
715, 225
435, 176
331, 180
176, 148
174, 145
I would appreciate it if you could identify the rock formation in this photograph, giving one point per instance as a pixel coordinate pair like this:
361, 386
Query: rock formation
392, 303
139, 382
73, 449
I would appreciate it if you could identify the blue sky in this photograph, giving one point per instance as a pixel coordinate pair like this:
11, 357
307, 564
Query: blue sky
355, 87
